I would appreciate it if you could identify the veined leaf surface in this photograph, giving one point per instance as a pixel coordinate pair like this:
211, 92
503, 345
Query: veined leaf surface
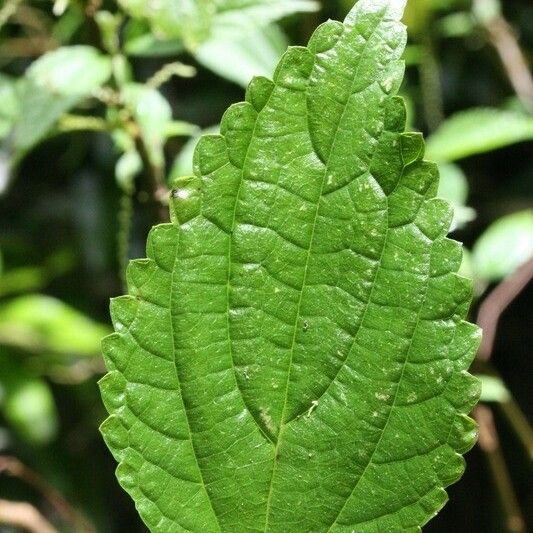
292, 355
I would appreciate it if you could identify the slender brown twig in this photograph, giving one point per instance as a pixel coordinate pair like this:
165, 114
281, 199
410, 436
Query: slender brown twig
24, 515
495, 304
490, 445
505, 41
11, 466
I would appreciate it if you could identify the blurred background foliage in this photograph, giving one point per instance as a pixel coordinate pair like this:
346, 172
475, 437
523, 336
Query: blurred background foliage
101, 104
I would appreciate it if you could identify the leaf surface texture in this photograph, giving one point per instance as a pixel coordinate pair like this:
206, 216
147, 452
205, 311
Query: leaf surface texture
292, 353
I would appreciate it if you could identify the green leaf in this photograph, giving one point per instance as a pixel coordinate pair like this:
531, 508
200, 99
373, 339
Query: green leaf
26, 401
476, 131
237, 13
233, 38
244, 53
41, 323
493, 389
183, 164
153, 115
192, 20
55, 83
292, 355
9, 104
504, 246
453, 186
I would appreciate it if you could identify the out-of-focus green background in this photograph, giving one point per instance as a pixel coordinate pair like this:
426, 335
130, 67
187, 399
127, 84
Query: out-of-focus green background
101, 103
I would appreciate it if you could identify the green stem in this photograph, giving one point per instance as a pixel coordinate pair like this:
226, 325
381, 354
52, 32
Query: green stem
514, 415
125, 215
431, 85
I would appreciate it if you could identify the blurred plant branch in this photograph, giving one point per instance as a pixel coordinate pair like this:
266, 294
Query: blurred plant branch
489, 314
490, 445
8, 10
168, 71
24, 515
495, 304
13, 467
430, 84
504, 40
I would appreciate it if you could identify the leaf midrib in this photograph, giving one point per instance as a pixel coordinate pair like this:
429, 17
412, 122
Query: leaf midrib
283, 425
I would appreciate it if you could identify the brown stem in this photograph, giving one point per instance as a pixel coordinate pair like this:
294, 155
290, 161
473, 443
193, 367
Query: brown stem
156, 178
490, 445
503, 39
24, 515
495, 304
26, 46
11, 466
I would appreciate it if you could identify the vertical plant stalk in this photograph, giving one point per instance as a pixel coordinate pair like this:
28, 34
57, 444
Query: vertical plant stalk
514, 62
488, 316
497, 302
125, 215
519, 423
157, 188
13, 467
430, 83
490, 445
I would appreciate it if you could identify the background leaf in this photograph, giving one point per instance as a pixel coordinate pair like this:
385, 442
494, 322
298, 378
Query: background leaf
453, 186
153, 115
55, 83
476, 131
43, 323
26, 402
244, 53
504, 246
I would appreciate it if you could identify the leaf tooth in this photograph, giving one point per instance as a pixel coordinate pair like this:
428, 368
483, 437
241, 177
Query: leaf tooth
449, 466
447, 297
237, 127
431, 504
294, 68
392, 77
418, 181
185, 202
463, 433
211, 153
465, 344
325, 36
162, 242
422, 177
139, 271
446, 256
147, 281
112, 386
115, 351
434, 218
412, 147
115, 434
463, 292
395, 114
259, 91
128, 468
463, 391
123, 311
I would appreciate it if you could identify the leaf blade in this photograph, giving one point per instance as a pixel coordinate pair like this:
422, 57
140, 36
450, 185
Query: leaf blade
296, 296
